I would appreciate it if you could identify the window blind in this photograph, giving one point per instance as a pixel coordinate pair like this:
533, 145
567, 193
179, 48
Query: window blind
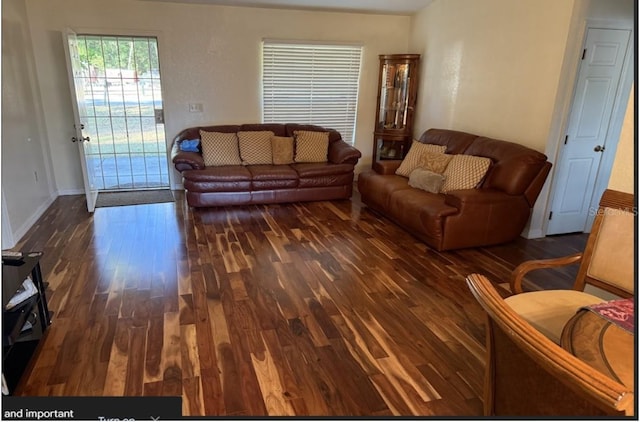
311, 83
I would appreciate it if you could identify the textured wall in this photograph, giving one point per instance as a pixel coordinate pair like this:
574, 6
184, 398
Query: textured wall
491, 67
208, 55
622, 176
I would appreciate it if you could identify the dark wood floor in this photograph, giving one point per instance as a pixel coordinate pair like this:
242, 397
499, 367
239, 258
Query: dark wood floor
302, 309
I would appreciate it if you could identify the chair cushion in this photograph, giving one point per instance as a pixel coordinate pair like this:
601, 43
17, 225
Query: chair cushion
550, 310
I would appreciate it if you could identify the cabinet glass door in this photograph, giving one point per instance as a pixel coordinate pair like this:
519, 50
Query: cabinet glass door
394, 96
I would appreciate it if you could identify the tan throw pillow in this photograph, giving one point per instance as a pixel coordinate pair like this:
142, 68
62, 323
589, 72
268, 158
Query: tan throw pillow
282, 147
434, 161
412, 160
220, 149
255, 147
311, 147
426, 180
465, 172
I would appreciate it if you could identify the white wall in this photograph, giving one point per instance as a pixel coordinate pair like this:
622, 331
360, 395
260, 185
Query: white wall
208, 54
25, 196
490, 67
622, 176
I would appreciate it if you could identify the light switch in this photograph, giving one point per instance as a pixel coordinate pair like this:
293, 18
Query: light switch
195, 108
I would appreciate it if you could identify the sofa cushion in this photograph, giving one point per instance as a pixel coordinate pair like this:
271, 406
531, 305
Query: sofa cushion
282, 148
426, 180
272, 172
311, 147
220, 149
434, 161
414, 156
465, 172
218, 179
307, 170
255, 147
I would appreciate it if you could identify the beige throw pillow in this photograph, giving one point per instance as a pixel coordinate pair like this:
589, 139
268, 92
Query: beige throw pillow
465, 172
255, 147
282, 147
220, 149
426, 180
434, 161
311, 147
412, 160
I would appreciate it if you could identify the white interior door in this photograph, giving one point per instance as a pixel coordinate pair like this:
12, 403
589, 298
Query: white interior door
588, 126
77, 79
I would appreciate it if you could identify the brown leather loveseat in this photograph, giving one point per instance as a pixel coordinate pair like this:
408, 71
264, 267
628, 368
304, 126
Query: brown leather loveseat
494, 212
207, 186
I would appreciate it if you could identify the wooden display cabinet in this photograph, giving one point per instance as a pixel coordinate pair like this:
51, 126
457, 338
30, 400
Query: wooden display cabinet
397, 93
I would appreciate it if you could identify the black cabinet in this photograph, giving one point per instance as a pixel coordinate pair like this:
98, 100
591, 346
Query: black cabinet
24, 324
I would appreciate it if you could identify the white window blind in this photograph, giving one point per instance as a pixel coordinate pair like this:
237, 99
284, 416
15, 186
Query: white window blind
312, 84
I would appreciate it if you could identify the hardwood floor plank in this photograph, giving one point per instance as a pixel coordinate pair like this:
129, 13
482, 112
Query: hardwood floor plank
308, 309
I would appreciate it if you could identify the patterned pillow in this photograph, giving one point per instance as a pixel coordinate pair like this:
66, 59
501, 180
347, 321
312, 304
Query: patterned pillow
465, 172
311, 147
434, 161
220, 149
255, 147
282, 147
426, 180
412, 160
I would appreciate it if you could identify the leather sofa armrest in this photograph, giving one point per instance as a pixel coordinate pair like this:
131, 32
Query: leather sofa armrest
342, 153
387, 166
184, 160
478, 197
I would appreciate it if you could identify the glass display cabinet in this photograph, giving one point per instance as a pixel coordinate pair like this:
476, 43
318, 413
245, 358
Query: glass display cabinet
397, 92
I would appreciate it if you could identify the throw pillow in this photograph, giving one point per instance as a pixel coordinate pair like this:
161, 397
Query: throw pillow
465, 172
311, 147
426, 180
255, 147
220, 149
412, 160
190, 145
434, 161
282, 147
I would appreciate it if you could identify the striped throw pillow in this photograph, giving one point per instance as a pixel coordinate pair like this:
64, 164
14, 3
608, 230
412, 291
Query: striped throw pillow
311, 147
220, 149
414, 157
255, 147
465, 172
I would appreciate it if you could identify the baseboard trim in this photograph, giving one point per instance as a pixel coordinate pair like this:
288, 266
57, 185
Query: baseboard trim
24, 228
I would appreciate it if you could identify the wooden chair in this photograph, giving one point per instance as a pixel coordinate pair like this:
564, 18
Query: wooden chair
529, 375
606, 263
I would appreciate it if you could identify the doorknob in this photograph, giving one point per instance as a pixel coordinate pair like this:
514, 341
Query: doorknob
86, 138
598, 148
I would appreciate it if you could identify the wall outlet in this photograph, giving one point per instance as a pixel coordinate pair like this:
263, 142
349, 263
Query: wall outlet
195, 108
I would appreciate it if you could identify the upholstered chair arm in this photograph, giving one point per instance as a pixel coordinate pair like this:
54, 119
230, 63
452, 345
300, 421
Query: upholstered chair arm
185, 160
521, 270
342, 153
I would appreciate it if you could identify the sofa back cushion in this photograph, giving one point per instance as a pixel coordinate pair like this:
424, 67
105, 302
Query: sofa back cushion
514, 166
255, 147
220, 149
455, 142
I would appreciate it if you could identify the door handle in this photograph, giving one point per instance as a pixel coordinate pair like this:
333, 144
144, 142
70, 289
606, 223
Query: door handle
599, 148
86, 138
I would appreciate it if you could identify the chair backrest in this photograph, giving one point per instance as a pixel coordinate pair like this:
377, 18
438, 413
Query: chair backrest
608, 258
529, 375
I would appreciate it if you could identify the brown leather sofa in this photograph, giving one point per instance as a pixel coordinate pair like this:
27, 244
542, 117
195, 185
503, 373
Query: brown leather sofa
262, 184
494, 212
